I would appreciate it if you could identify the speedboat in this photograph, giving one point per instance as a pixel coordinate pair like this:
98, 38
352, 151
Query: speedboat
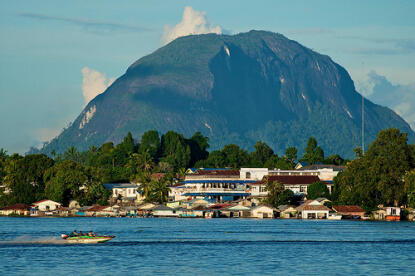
86, 239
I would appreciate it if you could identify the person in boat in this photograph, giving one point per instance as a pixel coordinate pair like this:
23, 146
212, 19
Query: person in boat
74, 233
91, 234
81, 234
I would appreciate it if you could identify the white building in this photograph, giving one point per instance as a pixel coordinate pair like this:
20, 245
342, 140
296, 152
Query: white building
124, 191
263, 211
312, 209
216, 184
46, 205
253, 173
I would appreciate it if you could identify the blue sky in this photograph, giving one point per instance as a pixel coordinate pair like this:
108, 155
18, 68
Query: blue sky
56, 54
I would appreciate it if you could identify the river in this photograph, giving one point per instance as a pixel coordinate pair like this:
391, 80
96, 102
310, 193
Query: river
146, 246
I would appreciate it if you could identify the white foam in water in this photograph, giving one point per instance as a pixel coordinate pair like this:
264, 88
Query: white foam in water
31, 240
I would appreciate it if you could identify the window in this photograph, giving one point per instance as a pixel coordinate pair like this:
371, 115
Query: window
248, 175
303, 189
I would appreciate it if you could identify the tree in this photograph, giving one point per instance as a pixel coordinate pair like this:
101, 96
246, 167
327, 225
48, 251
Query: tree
286, 197
334, 159
140, 161
261, 154
318, 189
64, 182
275, 190
235, 157
174, 150
128, 144
72, 154
24, 177
159, 190
313, 153
145, 185
198, 147
150, 141
377, 177
291, 154
410, 188
216, 159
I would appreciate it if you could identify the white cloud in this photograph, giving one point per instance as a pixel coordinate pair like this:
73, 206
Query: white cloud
43, 135
193, 22
399, 97
93, 83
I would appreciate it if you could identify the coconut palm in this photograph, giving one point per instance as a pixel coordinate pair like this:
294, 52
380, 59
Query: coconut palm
145, 185
160, 192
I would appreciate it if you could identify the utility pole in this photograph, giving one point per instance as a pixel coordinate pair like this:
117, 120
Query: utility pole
363, 110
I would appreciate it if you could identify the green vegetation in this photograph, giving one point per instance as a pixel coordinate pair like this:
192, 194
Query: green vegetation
318, 189
385, 174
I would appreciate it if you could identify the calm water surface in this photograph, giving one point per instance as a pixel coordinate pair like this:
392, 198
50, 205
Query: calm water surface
30, 246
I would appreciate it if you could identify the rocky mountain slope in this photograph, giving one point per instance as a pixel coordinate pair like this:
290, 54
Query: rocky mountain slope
235, 89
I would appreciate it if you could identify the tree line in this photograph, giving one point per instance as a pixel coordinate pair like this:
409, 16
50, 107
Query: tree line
384, 174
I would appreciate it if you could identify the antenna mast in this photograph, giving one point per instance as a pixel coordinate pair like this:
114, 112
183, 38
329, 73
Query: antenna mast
363, 111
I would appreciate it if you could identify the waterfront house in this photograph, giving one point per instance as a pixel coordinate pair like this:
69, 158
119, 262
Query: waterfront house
351, 211
312, 209
62, 211
239, 211
124, 192
263, 211
164, 211
296, 183
15, 209
145, 209
44, 207
387, 213
393, 213
287, 211
99, 211
220, 185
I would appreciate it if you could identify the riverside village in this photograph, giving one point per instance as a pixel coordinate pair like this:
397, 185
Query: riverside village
222, 193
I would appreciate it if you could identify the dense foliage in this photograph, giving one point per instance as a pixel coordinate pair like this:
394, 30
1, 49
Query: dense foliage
318, 189
384, 174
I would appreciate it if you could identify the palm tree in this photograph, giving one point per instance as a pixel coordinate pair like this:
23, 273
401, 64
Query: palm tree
72, 154
146, 161
145, 185
160, 192
3, 154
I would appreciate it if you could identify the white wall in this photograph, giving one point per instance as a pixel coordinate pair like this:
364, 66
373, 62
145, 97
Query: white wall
256, 173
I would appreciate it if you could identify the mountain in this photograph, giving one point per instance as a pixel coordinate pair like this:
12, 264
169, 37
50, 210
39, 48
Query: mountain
235, 89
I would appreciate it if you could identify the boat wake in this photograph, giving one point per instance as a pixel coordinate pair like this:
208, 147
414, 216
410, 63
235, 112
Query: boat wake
33, 240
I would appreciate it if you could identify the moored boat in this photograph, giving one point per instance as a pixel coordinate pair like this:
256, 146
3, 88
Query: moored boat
334, 216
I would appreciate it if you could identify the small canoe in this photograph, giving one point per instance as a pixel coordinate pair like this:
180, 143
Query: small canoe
86, 239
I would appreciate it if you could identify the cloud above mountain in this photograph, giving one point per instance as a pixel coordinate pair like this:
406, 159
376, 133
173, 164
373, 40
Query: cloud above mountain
86, 23
399, 97
93, 83
193, 22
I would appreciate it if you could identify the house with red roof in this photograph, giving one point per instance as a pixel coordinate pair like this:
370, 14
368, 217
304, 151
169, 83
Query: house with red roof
312, 209
15, 209
46, 205
349, 210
